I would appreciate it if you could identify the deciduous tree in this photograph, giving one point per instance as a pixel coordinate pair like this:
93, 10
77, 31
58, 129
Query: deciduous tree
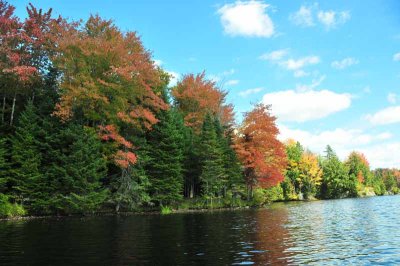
261, 153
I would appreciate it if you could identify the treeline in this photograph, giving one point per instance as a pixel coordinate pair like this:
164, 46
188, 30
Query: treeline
89, 123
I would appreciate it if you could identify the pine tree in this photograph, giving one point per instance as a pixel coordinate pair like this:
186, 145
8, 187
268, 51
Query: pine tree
25, 156
213, 171
233, 171
71, 169
191, 164
335, 179
80, 168
130, 189
165, 167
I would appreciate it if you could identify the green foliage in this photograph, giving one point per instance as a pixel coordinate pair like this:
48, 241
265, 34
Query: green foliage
26, 158
262, 196
166, 210
8, 209
165, 165
4, 165
213, 175
336, 182
130, 189
84, 133
288, 189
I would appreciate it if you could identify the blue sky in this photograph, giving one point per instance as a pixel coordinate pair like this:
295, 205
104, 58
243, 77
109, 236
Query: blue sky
330, 69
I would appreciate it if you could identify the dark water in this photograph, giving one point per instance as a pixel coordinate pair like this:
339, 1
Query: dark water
351, 231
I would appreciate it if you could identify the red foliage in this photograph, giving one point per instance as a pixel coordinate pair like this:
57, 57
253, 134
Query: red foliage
196, 96
110, 78
15, 59
124, 159
257, 146
110, 132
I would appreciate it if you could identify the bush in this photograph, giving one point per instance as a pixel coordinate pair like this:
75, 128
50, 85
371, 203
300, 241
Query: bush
166, 210
263, 196
8, 209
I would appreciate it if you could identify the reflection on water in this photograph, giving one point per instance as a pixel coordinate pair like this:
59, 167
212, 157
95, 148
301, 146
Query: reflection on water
352, 231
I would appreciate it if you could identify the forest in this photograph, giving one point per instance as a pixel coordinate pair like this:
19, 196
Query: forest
90, 123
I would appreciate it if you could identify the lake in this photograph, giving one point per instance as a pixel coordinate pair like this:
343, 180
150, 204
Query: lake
349, 231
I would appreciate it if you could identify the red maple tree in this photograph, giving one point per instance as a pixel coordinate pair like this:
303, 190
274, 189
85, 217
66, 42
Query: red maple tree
261, 153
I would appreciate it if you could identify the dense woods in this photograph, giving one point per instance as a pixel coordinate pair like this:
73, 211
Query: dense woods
89, 123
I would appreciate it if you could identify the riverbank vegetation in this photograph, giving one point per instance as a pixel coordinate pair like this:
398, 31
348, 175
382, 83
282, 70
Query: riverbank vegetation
90, 123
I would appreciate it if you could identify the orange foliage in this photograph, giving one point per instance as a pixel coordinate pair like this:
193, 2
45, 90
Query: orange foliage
257, 146
108, 78
361, 157
124, 159
196, 96
109, 132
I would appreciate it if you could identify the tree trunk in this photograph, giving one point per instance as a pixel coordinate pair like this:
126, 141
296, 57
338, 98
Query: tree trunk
13, 109
191, 193
4, 109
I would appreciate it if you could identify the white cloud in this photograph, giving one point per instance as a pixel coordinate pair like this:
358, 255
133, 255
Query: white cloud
303, 17
158, 62
307, 16
396, 57
343, 141
250, 91
389, 115
381, 155
301, 106
232, 82
314, 83
280, 57
330, 19
246, 19
301, 73
221, 76
174, 78
344, 63
295, 64
392, 98
275, 55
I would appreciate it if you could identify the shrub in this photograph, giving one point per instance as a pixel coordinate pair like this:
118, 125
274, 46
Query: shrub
8, 209
166, 210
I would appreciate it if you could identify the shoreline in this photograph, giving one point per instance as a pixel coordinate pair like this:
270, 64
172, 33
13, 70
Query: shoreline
177, 211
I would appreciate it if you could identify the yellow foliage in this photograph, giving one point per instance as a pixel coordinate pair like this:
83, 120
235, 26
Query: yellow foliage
309, 168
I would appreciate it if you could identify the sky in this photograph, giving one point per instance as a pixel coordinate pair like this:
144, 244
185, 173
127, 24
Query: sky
329, 69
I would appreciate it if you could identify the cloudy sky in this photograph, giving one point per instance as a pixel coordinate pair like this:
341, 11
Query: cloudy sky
330, 69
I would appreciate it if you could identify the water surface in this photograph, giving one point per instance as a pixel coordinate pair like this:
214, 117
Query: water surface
336, 232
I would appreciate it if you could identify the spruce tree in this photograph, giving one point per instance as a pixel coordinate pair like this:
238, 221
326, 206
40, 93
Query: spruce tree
79, 169
25, 157
191, 163
213, 171
335, 179
130, 189
165, 167
233, 173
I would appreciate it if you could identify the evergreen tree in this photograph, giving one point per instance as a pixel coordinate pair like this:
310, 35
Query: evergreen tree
234, 177
165, 166
191, 165
213, 171
335, 180
130, 187
26, 158
72, 173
